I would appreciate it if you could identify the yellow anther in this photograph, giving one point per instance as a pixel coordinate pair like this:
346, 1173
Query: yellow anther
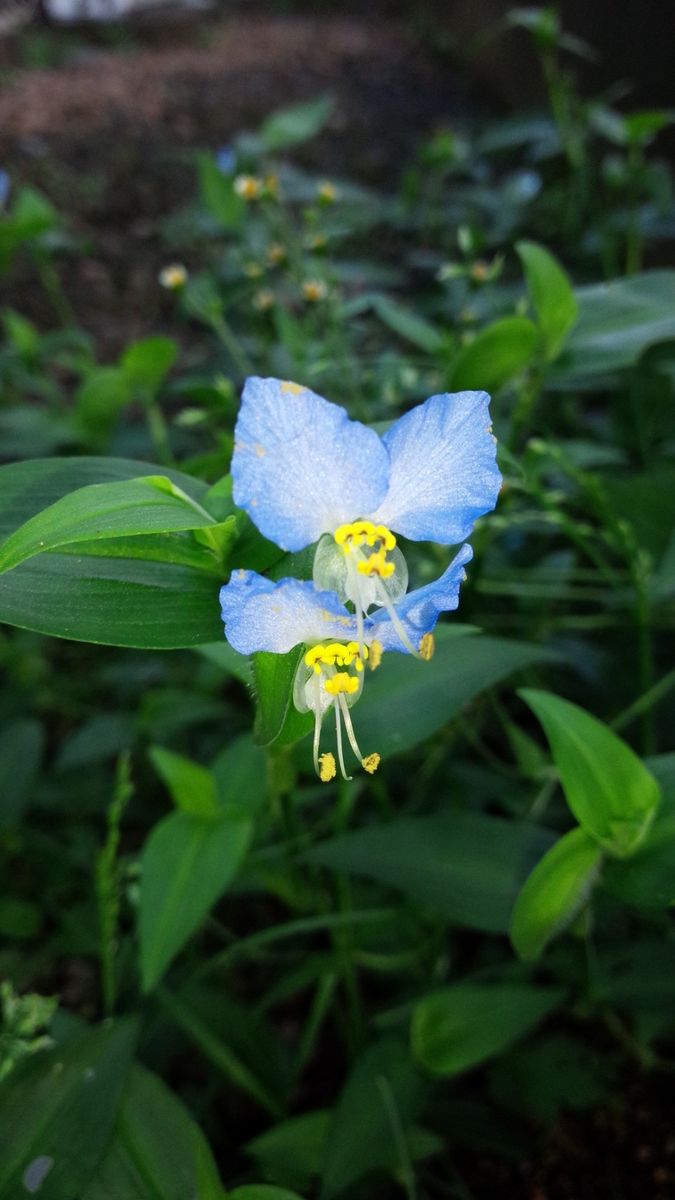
249, 187
427, 647
370, 763
375, 655
327, 768
335, 654
341, 683
376, 565
386, 537
364, 533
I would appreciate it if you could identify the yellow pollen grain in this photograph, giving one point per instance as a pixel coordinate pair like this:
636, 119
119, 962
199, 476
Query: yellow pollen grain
370, 763
427, 647
327, 768
294, 389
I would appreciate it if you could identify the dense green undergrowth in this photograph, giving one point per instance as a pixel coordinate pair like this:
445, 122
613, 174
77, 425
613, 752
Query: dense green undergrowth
220, 973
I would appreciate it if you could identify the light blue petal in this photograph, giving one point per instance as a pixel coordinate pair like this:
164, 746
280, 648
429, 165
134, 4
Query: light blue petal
419, 611
443, 473
300, 466
261, 615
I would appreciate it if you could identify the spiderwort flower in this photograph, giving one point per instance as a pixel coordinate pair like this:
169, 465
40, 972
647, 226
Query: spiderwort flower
304, 471
261, 615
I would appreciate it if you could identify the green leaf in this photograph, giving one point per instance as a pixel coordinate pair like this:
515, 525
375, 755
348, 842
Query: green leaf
147, 363
293, 1149
218, 195
192, 786
647, 878
156, 1149
466, 866
405, 700
112, 601
617, 322
31, 215
239, 772
551, 295
461, 1026
496, 355
57, 1110
262, 1191
150, 504
611, 793
297, 123
187, 864
408, 325
555, 892
26, 488
378, 1104
273, 676
98, 401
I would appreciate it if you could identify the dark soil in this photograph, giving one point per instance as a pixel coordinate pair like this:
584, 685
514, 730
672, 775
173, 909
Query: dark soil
110, 136
625, 1151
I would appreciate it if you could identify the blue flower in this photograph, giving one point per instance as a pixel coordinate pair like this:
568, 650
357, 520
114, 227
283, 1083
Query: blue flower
276, 617
226, 160
261, 615
416, 614
5, 185
304, 471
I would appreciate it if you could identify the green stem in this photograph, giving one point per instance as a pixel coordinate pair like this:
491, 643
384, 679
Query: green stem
224, 331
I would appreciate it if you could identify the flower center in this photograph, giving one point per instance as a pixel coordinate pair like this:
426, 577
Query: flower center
322, 682
364, 533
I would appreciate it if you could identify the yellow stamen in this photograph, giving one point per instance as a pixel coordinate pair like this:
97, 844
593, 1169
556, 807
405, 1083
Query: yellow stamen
376, 564
356, 534
376, 653
336, 654
370, 763
341, 682
327, 768
427, 647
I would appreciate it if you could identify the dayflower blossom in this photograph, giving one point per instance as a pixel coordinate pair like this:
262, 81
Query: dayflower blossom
305, 473
276, 617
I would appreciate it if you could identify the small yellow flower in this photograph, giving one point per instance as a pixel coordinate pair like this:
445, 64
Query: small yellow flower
480, 271
263, 300
316, 241
249, 187
314, 290
327, 192
173, 276
275, 253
